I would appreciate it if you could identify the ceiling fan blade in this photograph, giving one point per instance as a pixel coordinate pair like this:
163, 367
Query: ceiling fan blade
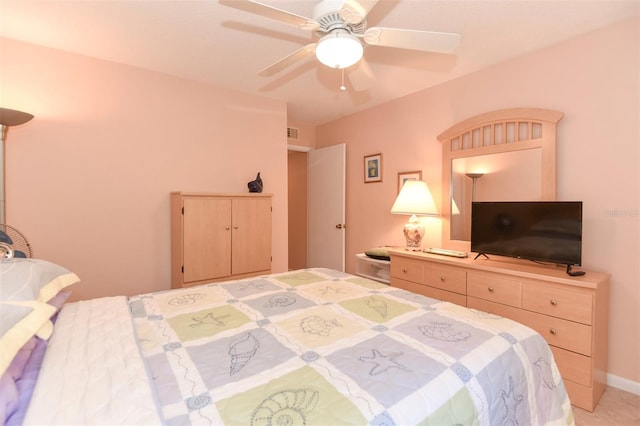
428, 41
361, 76
289, 60
354, 11
273, 13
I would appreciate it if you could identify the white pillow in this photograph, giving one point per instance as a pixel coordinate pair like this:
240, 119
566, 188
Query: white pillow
32, 279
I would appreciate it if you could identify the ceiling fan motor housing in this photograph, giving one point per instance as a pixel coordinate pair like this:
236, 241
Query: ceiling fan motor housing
327, 14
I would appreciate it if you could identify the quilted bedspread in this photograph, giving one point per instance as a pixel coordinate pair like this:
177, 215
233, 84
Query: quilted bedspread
320, 347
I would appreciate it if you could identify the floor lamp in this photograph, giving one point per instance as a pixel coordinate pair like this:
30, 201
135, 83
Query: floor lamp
8, 118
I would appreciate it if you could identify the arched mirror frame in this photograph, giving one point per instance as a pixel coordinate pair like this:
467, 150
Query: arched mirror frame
495, 132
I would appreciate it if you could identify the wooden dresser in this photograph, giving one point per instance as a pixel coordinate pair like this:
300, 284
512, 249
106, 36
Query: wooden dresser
571, 313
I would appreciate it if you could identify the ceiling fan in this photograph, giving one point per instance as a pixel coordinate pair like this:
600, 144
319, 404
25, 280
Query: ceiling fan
341, 26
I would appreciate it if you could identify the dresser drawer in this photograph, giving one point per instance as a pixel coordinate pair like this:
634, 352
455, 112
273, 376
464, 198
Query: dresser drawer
434, 293
407, 269
561, 333
564, 303
449, 279
573, 366
494, 287
564, 334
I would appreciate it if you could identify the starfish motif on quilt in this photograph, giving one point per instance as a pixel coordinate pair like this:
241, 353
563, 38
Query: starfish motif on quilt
511, 402
209, 319
382, 362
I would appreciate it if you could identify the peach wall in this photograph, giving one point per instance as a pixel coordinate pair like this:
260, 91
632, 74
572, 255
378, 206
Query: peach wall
306, 135
88, 180
594, 80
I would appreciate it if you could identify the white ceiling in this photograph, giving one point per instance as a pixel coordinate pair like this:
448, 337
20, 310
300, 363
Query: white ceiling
204, 41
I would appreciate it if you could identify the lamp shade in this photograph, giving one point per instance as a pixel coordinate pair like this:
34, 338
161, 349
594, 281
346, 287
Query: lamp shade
339, 50
414, 198
12, 117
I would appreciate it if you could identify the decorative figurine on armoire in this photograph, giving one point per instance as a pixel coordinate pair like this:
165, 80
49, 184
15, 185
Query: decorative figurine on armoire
255, 185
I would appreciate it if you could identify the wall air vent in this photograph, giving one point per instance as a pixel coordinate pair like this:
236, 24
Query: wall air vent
292, 133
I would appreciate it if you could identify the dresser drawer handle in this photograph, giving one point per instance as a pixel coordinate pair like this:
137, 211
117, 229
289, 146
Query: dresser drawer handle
553, 331
405, 270
443, 278
554, 302
490, 289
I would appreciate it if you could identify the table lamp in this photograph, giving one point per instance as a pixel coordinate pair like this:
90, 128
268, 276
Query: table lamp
414, 199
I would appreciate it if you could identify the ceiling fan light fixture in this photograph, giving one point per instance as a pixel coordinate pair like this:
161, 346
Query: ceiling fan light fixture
339, 50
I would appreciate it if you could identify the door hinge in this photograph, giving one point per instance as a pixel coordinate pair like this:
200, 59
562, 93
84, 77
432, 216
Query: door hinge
183, 211
182, 269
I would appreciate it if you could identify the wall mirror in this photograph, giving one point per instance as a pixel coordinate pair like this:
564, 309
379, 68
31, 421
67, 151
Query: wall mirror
505, 155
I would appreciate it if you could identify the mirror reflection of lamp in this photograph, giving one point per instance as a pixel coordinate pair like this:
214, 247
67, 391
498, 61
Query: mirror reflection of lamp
8, 118
414, 199
474, 177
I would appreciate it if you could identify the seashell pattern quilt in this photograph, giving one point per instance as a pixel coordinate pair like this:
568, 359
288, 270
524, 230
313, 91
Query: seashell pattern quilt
321, 347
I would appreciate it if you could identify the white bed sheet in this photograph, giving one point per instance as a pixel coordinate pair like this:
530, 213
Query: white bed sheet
71, 392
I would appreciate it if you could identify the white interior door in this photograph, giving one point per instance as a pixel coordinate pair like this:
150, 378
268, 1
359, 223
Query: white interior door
326, 184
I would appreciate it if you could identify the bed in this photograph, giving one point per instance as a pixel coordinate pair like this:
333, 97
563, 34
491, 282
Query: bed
306, 347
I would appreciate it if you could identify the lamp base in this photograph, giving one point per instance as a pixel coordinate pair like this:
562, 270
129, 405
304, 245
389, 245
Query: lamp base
413, 233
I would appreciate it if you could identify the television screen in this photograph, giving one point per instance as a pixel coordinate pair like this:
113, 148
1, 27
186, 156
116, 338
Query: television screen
546, 231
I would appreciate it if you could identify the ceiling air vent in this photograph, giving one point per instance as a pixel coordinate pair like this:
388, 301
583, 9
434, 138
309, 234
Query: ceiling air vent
292, 133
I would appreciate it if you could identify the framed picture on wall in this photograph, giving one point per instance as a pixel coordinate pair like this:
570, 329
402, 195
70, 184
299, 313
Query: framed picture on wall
373, 168
405, 176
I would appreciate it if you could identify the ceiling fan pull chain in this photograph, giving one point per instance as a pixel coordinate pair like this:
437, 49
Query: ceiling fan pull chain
342, 86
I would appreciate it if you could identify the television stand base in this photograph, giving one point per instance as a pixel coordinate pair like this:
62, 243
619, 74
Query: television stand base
574, 273
480, 254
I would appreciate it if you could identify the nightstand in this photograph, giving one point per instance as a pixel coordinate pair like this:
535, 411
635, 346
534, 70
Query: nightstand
374, 269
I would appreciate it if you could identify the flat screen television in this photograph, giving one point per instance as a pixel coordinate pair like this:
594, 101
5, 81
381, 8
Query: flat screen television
544, 231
